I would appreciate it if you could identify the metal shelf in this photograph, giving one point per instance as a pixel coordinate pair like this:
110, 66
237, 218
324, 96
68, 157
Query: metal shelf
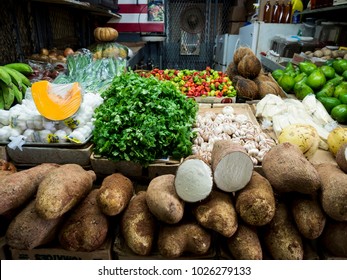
323, 10
84, 6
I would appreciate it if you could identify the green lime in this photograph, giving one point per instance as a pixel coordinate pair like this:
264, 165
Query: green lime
276, 74
329, 103
328, 71
339, 113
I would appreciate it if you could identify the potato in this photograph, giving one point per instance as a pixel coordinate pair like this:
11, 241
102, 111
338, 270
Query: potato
341, 157
138, 225
336, 138
288, 170
281, 238
18, 188
28, 230
308, 215
334, 238
62, 189
163, 201
318, 53
245, 244
334, 191
175, 240
217, 213
255, 203
114, 194
86, 228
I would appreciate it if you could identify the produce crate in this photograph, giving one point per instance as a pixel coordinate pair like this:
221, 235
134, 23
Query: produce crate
104, 166
33, 155
215, 100
3, 154
57, 253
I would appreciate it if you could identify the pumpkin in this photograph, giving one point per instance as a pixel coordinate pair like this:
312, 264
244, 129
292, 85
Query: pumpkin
56, 102
105, 34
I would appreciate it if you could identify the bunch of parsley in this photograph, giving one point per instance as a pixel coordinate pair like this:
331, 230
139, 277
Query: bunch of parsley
143, 119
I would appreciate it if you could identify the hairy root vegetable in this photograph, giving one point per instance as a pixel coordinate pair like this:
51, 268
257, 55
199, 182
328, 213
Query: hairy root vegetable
62, 189
28, 230
232, 166
217, 213
138, 225
175, 240
163, 201
86, 228
288, 170
245, 244
114, 194
193, 180
16, 189
334, 191
256, 202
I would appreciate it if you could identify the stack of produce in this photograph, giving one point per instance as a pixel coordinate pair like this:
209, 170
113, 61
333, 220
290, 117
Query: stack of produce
247, 76
193, 83
327, 82
53, 55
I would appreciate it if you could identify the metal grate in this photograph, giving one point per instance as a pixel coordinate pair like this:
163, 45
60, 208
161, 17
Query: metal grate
199, 55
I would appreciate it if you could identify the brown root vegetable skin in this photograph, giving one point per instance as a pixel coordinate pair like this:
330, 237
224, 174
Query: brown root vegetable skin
287, 170
245, 244
62, 189
6, 168
175, 240
28, 230
163, 201
334, 238
18, 188
341, 157
334, 191
114, 194
309, 216
138, 225
217, 213
281, 238
86, 228
255, 203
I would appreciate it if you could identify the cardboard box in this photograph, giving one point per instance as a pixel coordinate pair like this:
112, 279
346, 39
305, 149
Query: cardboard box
234, 27
237, 13
3, 153
56, 253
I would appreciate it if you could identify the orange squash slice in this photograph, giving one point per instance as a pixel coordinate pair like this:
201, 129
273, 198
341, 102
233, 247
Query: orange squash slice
56, 102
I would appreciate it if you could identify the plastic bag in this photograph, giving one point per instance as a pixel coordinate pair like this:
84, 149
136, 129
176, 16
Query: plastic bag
109, 49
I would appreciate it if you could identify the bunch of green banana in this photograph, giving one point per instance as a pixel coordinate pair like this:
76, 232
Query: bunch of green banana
13, 83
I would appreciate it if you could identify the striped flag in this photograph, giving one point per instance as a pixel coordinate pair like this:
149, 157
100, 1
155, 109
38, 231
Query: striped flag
135, 17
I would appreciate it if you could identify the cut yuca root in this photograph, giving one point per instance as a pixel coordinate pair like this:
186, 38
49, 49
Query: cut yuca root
193, 181
232, 166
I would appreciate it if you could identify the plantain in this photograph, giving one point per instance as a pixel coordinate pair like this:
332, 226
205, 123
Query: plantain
2, 101
18, 94
23, 68
17, 77
8, 95
4, 75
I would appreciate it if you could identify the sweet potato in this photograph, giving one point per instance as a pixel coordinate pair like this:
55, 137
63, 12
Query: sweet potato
287, 170
163, 201
282, 239
334, 191
114, 194
217, 213
175, 240
62, 189
255, 203
86, 228
18, 188
28, 230
138, 225
245, 243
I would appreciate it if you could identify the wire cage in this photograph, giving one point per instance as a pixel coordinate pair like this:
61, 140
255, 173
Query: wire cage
184, 50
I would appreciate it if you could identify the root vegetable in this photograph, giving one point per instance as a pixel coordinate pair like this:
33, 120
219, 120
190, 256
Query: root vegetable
114, 194
240, 53
138, 225
336, 139
62, 189
217, 213
86, 228
175, 240
334, 238
193, 180
28, 230
288, 170
232, 166
309, 216
255, 203
6, 168
16, 189
163, 201
245, 244
341, 157
281, 237
334, 191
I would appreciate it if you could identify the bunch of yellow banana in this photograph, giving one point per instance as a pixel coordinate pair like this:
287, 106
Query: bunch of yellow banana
13, 83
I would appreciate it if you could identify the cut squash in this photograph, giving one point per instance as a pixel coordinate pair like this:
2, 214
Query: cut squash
56, 102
